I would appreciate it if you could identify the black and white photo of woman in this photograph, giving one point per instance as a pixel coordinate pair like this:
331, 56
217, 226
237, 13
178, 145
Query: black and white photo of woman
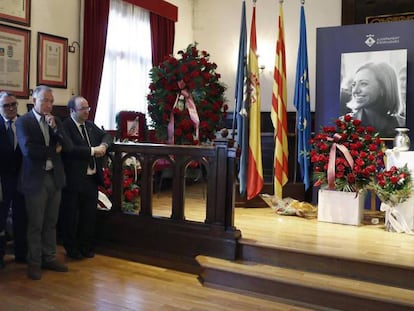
375, 98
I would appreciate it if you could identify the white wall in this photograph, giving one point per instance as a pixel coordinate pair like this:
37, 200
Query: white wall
217, 29
184, 26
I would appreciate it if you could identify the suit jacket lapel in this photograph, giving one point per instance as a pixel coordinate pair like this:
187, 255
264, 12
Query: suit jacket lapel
36, 125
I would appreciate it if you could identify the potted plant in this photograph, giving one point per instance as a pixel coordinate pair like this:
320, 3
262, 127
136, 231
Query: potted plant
345, 158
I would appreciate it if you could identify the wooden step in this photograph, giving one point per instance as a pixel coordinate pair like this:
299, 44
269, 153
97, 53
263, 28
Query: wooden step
325, 291
387, 273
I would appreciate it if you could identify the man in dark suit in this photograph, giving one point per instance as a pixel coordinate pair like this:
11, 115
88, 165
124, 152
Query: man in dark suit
10, 162
83, 167
41, 137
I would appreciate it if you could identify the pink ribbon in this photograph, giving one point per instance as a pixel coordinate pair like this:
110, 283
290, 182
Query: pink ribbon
170, 127
332, 160
192, 111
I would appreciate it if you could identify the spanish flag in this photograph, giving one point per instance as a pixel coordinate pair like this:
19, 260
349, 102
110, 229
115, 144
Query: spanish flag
254, 167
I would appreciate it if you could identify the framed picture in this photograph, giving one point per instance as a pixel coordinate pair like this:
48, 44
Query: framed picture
52, 60
361, 12
373, 88
14, 60
16, 11
131, 125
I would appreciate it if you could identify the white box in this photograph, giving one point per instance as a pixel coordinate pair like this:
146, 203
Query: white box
341, 207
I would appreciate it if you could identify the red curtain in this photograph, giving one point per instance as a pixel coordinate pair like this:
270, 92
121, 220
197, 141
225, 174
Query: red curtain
162, 37
94, 41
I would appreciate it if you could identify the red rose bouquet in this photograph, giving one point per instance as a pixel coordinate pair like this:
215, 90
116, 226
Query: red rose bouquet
347, 156
130, 187
394, 186
186, 99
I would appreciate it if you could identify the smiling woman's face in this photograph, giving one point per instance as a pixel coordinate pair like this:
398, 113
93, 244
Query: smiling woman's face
365, 89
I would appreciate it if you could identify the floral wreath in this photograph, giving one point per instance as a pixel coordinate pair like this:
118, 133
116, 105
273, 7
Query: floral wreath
186, 99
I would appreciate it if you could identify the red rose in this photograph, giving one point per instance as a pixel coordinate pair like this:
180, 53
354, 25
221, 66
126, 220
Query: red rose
126, 182
129, 195
351, 178
356, 122
394, 179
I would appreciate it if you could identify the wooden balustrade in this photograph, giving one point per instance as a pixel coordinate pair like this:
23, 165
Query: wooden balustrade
171, 241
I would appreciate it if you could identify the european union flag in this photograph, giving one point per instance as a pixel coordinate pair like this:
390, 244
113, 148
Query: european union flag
302, 103
241, 103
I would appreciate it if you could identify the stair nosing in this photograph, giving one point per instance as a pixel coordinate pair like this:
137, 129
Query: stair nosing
206, 261
319, 254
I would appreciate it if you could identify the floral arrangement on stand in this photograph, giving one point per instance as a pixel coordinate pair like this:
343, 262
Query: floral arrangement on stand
393, 187
186, 101
130, 188
347, 156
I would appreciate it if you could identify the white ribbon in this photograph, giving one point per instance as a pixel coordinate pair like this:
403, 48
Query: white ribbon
394, 221
133, 161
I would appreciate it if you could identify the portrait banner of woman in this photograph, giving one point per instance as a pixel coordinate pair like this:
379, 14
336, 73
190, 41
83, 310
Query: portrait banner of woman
373, 88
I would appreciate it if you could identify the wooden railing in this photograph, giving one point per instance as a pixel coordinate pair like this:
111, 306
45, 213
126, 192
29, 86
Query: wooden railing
171, 241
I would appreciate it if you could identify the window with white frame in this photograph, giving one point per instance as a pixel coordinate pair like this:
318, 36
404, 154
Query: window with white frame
125, 76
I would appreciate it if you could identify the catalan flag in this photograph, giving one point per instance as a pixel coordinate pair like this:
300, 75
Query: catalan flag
278, 112
254, 167
302, 103
241, 103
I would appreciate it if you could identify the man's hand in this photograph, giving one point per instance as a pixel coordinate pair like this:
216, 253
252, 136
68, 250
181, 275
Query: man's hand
50, 120
99, 151
58, 148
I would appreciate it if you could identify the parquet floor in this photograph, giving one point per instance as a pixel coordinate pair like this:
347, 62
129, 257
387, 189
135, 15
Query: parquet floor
111, 284
105, 283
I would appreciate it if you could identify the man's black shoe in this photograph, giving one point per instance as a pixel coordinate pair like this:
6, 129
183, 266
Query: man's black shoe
20, 259
74, 255
34, 272
88, 254
55, 266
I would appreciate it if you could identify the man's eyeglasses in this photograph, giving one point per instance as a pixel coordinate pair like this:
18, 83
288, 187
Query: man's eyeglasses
10, 105
84, 109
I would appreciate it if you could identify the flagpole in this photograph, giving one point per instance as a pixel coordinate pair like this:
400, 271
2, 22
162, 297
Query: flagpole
295, 167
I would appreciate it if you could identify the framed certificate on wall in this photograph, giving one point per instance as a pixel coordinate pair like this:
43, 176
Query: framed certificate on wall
15, 11
14, 60
52, 60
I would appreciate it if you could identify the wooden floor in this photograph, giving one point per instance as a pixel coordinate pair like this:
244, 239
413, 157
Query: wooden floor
105, 283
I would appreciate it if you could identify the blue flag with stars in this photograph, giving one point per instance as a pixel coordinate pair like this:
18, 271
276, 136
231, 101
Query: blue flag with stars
302, 104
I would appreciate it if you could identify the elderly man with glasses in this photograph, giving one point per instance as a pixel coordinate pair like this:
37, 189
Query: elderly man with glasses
83, 167
10, 163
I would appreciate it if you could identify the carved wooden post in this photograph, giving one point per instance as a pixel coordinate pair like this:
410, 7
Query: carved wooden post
116, 181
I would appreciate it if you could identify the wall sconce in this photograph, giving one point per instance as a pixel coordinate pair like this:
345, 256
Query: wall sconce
72, 48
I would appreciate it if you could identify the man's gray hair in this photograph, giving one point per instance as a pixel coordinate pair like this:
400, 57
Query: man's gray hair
4, 94
40, 88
